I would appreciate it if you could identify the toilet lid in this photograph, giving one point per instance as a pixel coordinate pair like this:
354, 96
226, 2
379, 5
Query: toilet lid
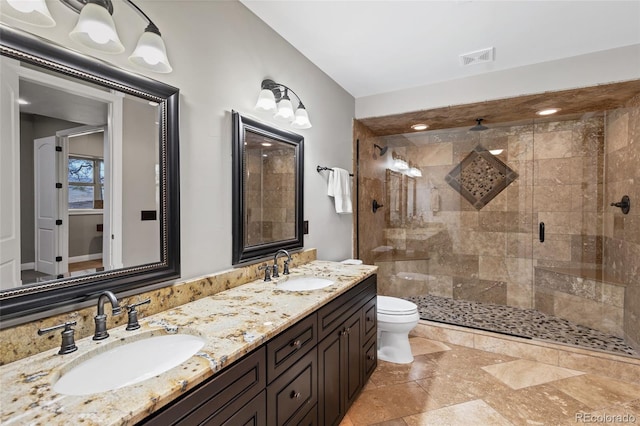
394, 306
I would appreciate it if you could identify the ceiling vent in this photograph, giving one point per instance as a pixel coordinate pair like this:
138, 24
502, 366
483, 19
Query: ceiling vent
477, 57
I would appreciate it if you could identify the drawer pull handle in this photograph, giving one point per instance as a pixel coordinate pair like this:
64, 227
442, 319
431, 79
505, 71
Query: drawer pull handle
369, 319
370, 357
296, 344
295, 395
343, 332
348, 330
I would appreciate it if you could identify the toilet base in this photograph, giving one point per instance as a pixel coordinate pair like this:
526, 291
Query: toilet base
394, 347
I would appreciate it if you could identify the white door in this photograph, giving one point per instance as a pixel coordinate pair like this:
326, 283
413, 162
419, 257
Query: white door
47, 206
9, 175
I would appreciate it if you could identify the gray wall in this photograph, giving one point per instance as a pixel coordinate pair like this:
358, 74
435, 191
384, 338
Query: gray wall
140, 239
220, 52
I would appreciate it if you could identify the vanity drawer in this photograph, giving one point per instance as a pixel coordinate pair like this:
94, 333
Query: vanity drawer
337, 311
370, 357
370, 319
288, 347
227, 392
294, 393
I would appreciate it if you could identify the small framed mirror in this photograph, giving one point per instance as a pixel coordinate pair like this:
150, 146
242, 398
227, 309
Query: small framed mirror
268, 170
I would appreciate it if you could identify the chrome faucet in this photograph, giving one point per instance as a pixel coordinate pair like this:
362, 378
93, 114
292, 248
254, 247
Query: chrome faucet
101, 318
286, 263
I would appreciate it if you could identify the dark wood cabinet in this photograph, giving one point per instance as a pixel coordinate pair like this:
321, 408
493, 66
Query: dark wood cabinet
307, 375
223, 394
343, 366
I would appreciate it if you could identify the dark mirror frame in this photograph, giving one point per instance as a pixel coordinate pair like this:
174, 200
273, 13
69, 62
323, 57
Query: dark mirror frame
241, 125
36, 299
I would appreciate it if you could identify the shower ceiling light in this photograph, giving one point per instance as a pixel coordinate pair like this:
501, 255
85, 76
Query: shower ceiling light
275, 97
97, 30
420, 126
496, 151
548, 111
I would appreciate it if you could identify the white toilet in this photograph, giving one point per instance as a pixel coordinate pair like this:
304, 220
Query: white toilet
396, 318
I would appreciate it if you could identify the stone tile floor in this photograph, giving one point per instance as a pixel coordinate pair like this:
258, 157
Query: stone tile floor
529, 323
455, 385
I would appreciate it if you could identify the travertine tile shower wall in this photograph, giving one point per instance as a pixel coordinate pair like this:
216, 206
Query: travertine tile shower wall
622, 232
270, 199
450, 249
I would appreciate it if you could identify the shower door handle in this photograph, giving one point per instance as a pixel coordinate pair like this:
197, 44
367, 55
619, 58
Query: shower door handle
541, 231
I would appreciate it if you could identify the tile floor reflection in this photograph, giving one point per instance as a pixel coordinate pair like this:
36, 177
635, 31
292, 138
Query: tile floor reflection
456, 385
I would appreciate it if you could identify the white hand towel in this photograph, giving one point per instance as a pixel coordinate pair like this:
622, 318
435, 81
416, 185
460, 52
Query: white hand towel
339, 187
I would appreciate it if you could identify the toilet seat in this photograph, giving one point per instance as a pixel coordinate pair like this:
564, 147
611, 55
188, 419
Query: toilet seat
394, 306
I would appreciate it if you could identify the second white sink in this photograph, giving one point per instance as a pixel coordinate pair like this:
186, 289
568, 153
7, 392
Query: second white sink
304, 283
128, 364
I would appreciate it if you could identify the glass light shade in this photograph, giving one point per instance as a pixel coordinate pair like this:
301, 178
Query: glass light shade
96, 29
415, 172
34, 12
151, 53
266, 101
399, 164
285, 110
302, 119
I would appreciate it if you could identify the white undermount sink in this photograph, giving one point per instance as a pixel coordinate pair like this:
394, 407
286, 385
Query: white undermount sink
304, 283
128, 364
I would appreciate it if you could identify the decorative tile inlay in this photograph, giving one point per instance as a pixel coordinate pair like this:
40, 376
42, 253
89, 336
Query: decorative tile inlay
480, 177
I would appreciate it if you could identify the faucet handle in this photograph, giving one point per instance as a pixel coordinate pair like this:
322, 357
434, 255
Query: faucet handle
68, 340
267, 275
275, 273
132, 323
286, 268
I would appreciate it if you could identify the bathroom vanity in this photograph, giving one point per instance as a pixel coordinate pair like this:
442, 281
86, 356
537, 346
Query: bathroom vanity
308, 374
270, 357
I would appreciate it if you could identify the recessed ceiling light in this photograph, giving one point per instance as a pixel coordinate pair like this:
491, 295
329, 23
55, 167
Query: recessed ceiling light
420, 126
496, 151
265, 144
23, 101
548, 111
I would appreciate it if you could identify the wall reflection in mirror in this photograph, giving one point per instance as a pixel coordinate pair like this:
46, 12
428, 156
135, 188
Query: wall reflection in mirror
78, 144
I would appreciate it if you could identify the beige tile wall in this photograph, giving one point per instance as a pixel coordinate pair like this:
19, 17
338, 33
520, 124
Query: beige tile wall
621, 252
490, 255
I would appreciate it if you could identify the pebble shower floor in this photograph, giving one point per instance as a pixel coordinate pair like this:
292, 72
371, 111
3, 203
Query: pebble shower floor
520, 322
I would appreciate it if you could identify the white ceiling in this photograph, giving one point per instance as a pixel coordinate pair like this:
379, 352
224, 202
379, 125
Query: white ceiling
373, 47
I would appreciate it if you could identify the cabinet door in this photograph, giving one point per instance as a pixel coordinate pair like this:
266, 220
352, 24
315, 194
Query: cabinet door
354, 370
330, 382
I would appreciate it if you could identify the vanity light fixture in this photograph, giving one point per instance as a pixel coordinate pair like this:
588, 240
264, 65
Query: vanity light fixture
34, 12
97, 30
548, 111
400, 164
274, 97
420, 126
414, 172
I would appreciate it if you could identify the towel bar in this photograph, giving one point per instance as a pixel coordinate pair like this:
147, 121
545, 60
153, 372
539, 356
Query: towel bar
321, 168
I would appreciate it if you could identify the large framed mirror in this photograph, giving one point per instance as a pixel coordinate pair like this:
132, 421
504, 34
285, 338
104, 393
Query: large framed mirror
268, 170
89, 178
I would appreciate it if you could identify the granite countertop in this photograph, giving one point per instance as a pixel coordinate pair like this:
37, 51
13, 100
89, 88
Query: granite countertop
233, 323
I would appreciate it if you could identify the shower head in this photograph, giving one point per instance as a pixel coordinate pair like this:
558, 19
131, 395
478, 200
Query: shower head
479, 126
383, 150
